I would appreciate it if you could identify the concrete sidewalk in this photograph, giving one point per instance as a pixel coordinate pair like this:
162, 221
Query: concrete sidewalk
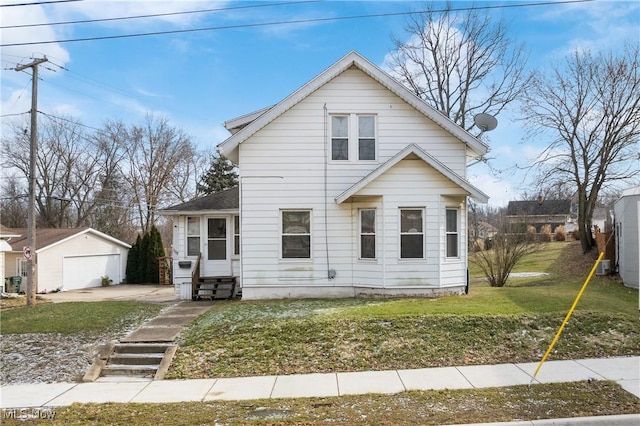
623, 370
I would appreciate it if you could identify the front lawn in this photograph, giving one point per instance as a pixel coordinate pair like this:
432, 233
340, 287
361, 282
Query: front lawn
490, 325
76, 317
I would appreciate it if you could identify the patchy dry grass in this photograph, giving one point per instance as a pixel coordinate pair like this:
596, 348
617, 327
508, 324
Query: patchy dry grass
406, 408
488, 326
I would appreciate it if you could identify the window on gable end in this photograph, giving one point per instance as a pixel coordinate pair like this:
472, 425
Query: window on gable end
366, 137
340, 137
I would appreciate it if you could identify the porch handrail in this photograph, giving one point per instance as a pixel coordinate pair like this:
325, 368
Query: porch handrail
195, 276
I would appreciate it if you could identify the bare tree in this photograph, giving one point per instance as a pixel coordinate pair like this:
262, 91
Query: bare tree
461, 63
590, 107
13, 203
157, 155
68, 168
505, 253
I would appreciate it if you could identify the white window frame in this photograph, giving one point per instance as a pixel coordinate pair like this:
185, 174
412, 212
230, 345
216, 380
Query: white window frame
283, 235
449, 233
341, 138
236, 235
361, 137
188, 235
362, 234
401, 233
353, 137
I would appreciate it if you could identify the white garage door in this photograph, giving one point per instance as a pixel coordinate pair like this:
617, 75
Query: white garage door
87, 271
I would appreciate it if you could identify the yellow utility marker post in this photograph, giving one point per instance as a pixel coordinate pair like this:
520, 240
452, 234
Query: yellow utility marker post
566, 319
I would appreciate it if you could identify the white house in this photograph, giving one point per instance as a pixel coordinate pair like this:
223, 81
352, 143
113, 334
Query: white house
71, 259
627, 227
350, 186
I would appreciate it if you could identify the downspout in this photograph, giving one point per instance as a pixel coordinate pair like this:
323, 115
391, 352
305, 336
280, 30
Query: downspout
331, 273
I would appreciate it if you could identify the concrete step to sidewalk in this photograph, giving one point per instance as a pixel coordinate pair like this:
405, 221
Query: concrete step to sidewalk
136, 359
130, 370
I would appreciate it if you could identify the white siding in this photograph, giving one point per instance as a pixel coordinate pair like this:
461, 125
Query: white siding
283, 167
51, 260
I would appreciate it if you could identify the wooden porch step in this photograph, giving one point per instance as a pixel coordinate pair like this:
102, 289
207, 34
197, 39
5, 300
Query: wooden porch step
215, 288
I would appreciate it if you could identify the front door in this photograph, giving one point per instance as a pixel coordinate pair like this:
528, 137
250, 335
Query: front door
217, 256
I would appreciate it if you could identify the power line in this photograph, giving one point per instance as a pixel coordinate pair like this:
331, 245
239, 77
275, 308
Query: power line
297, 21
38, 3
157, 15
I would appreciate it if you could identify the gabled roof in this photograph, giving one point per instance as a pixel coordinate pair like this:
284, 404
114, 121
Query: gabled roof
408, 151
227, 200
229, 147
539, 208
236, 124
50, 237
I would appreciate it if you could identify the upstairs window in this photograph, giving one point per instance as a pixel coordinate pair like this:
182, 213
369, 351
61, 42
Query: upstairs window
353, 136
340, 137
366, 137
452, 233
296, 234
411, 234
367, 234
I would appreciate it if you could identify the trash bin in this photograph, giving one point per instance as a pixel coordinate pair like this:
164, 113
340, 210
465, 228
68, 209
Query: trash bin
14, 284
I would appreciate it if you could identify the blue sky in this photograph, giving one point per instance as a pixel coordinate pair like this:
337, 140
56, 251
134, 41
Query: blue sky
201, 79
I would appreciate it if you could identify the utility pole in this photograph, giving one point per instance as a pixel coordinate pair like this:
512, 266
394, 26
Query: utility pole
30, 250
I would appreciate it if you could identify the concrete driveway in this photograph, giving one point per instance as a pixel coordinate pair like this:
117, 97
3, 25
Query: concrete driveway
139, 292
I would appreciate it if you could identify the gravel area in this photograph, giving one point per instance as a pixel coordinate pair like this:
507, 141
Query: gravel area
54, 357
48, 358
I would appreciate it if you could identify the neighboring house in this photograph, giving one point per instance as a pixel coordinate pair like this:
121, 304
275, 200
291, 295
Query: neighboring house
350, 186
522, 214
627, 228
67, 258
482, 230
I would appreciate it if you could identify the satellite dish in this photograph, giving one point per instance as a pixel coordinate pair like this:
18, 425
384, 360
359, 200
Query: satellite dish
485, 122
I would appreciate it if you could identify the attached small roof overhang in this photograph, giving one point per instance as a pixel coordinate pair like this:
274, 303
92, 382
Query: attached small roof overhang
227, 201
414, 150
246, 126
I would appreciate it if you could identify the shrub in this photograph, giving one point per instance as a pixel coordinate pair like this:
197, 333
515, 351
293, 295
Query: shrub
531, 233
575, 234
561, 233
545, 234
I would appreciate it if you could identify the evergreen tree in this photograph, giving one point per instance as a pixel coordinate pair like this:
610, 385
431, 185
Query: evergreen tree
220, 176
133, 261
154, 251
143, 260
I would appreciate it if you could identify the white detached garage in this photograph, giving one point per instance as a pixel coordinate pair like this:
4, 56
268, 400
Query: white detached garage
70, 259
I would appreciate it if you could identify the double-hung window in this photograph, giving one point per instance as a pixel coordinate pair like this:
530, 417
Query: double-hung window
236, 235
366, 137
412, 233
193, 236
452, 232
296, 234
367, 234
340, 137
353, 136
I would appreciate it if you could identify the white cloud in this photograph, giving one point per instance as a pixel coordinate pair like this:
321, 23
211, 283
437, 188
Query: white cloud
499, 191
21, 54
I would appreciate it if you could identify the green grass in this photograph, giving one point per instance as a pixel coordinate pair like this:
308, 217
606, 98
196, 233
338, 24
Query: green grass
490, 325
547, 401
75, 317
